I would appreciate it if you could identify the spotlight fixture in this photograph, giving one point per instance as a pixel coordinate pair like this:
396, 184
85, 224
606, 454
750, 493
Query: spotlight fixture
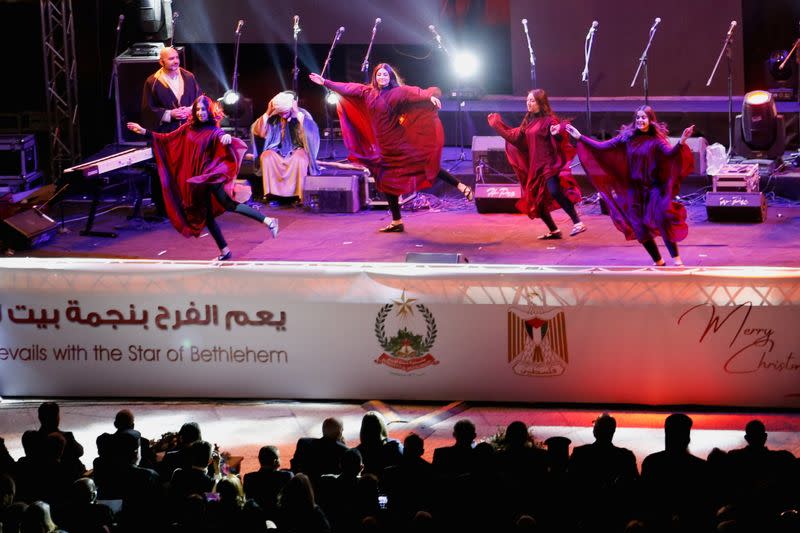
759, 131
331, 98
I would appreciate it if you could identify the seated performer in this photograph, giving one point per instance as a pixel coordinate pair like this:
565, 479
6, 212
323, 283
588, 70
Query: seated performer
286, 142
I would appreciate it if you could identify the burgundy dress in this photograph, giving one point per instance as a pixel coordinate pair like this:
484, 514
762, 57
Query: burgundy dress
396, 133
189, 160
638, 179
535, 156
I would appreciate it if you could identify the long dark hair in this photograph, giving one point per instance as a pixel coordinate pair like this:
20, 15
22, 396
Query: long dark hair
540, 95
394, 78
215, 113
655, 128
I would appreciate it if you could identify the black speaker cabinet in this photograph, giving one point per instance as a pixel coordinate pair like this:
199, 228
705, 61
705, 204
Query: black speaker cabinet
491, 151
132, 71
497, 197
438, 258
28, 229
736, 206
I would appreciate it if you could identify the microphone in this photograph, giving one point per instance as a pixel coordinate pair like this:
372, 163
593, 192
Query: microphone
339, 33
296, 24
435, 33
730, 30
119, 23
239, 26
525, 23
593, 29
653, 27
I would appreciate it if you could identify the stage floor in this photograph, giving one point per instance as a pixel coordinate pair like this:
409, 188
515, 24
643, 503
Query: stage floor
437, 224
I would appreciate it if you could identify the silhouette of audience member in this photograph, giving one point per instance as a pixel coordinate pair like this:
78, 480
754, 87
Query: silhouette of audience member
54, 477
675, 482
139, 489
603, 478
37, 519
50, 418
6, 461
525, 465
82, 514
179, 457
11, 521
195, 479
451, 461
265, 485
377, 450
409, 485
299, 512
227, 513
7, 491
349, 497
315, 457
760, 479
124, 422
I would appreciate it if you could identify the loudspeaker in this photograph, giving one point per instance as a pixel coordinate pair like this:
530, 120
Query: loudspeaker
332, 194
497, 197
773, 152
132, 72
437, 258
736, 206
491, 150
28, 229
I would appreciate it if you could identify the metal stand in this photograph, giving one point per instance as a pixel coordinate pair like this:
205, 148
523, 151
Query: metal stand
643, 63
587, 53
235, 81
365, 63
531, 57
726, 50
295, 69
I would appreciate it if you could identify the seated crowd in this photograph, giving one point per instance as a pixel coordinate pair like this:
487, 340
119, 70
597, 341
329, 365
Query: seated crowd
507, 482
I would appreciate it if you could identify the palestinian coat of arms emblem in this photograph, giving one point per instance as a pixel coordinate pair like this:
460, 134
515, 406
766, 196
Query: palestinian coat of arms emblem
537, 342
406, 350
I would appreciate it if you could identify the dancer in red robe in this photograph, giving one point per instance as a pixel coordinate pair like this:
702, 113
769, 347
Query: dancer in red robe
394, 130
197, 164
638, 174
540, 156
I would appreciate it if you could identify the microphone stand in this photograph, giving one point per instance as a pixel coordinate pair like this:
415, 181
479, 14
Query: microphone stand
643, 62
587, 53
531, 57
365, 63
113, 80
462, 155
295, 69
235, 82
726, 50
328, 128
796, 51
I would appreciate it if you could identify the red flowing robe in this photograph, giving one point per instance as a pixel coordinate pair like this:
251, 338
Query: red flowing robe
396, 133
189, 160
638, 179
535, 155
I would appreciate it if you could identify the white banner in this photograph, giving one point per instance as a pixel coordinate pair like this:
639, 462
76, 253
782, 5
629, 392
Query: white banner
395, 331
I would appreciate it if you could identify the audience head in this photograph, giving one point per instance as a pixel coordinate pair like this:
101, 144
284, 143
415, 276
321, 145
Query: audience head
755, 434
124, 420
127, 446
352, 463
49, 416
373, 428
517, 435
677, 427
333, 428
230, 491
298, 495
37, 519
269, 457
200, 453
189, 433
84, 490
464, 432
8, 490
413, 446
12, 518
32, 443
604, 427
526, 523
53, 447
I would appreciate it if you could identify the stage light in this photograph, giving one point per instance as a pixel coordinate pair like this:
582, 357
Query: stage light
331, 98
230, 98
465, 65
781, 82
759, 130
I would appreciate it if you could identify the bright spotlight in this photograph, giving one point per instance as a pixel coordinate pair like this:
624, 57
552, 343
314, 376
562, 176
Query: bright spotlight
332, 98
465, 64
230, 97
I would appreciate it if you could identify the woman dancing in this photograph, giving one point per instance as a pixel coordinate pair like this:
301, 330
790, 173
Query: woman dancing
540, 155
638, 173
197, 164
394, 130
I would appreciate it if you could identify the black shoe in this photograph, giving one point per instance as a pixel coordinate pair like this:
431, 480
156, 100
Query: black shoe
550, 235
224, 257
393, 228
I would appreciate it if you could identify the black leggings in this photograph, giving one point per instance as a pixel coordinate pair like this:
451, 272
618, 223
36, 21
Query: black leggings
652, 249
554, 188
394, 201
217, 190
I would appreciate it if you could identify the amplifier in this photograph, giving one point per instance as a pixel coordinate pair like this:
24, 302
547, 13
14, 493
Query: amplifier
18, 158
736, 177
375, 198
497, 197
332, 194
491, 151
736, 206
